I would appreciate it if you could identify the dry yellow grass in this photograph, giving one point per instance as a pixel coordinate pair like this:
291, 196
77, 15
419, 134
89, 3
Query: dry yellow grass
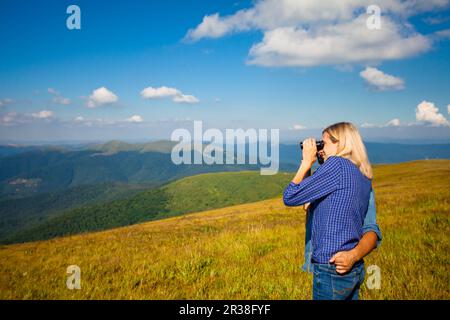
249, 251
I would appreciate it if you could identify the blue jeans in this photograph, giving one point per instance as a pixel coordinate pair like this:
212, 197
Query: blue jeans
330, 285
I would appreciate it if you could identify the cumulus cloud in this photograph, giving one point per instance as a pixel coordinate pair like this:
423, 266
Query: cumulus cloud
97, 122
4, 102
100, 97
298, 127
9, 118
57, 97
102, 122
61, 100
15, 118
427, 112
213, 26
391, 123
167, 92
369, 125
135, 119
185, 98
444, 34
336, 44
44, 114
271, 14
310, 32
161, 92
380, 80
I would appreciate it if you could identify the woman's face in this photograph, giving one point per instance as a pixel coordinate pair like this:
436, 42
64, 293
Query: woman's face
329, 148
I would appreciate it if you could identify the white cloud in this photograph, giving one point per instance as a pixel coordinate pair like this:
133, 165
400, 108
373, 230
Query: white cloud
61, 100
161, 92
298, 127
368, 125
213, 26
167, 92
427, 112
101, 122
98, 122
9, 118
444, 34
44, 114
15, 118
380, 80
57, 97
272, 14
100, 97
311, 32
4, 102
135, 119
185, 98
336, 44
391, 123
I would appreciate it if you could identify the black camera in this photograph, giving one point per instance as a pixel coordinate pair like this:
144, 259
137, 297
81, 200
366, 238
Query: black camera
319, 145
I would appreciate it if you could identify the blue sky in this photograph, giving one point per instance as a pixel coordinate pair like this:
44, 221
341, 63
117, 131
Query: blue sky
247, 67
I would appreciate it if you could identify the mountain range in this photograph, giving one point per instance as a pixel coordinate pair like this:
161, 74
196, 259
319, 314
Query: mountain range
49, 191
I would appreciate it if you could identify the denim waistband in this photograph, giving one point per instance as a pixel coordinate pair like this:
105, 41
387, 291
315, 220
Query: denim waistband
332, 266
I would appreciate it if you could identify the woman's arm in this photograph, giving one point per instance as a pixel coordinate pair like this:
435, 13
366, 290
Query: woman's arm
302, 172
370, 221
325, 180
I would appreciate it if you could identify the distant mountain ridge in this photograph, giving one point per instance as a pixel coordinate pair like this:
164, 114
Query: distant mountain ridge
114, 146
30, 170
289, 152
40, 171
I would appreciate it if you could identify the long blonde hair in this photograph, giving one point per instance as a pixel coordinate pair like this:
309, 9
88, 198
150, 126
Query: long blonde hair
350, 145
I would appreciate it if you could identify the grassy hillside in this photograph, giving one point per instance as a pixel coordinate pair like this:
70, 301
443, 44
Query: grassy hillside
22, 213
195, 193
248, 251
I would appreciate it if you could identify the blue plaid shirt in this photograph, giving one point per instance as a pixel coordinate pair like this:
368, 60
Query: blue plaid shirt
339, 195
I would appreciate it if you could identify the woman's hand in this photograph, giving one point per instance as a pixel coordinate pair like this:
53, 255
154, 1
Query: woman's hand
309, 151
344, 261
309, 157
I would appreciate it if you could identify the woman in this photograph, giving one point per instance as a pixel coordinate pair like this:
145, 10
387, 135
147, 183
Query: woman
338, 192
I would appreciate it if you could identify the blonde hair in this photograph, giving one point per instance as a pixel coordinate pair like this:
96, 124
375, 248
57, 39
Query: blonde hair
350, 145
